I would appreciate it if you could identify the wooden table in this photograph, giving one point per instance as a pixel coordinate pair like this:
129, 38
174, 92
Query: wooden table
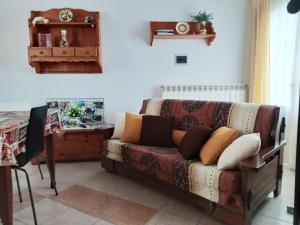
14, 125
6, 193
6, 190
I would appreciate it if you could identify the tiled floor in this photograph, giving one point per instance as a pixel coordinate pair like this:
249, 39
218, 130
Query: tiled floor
90, 196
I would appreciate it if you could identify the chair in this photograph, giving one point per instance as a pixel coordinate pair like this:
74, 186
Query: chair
34, 146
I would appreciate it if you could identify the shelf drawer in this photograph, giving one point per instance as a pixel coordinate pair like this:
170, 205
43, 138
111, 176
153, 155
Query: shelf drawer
63, 51
86, 51
38, 52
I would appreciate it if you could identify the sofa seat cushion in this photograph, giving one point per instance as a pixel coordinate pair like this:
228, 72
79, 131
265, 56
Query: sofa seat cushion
218, 186
167, 164
113, 147
156, 161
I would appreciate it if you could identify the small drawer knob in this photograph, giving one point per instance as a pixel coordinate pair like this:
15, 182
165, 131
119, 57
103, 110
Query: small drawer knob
64, 52
41, 52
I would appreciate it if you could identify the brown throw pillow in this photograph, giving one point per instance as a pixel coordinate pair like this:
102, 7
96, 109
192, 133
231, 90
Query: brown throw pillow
157, 131
193, 141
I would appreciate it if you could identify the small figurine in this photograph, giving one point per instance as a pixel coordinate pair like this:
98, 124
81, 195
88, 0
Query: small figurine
39, 19
64, 41
89, 20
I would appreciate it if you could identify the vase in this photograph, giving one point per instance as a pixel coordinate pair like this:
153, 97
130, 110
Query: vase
64, 40
202, 29
73, 121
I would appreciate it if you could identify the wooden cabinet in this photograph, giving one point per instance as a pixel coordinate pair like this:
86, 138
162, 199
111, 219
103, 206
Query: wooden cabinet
78, 145
83, 55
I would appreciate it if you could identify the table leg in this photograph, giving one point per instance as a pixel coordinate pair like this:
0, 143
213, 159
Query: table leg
51, 161
6, 197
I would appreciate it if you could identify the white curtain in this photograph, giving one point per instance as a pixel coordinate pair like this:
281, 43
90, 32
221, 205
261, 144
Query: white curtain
284, 70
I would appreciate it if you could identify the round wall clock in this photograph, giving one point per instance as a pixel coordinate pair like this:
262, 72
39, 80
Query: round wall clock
182, 27
65, 15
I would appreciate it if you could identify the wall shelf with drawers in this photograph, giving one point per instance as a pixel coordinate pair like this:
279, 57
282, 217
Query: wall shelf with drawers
83, 55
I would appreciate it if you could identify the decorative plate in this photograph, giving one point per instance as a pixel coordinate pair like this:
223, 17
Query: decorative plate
182, 27
65, 15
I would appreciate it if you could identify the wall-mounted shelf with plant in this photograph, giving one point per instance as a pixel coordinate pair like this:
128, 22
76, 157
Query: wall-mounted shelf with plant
65, 41
200, 28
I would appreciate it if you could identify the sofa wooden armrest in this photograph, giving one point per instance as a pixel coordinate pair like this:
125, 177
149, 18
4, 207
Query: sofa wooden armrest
256, 163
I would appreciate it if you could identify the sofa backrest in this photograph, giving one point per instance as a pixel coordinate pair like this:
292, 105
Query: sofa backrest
246, 117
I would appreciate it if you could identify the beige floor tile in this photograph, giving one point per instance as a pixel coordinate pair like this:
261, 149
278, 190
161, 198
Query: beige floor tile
182, 209
276, 209
15, 222
17, 205
163, 218
45, 210
72, 217
262, 220
106, 207
101, 222
127, 189
112, 184
149, 197
209, 220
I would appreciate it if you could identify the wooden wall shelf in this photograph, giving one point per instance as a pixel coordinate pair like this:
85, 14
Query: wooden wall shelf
84, 52
60, 24
209, 37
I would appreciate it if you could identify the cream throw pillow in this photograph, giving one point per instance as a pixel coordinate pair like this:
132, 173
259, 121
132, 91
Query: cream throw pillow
243, 147
119, 125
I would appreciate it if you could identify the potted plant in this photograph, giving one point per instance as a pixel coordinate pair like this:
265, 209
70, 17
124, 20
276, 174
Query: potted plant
202, 18
74, 112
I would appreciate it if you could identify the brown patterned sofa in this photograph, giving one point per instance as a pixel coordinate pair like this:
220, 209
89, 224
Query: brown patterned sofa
231, 196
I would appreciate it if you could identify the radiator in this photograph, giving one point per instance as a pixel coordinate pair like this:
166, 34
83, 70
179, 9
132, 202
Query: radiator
229, 93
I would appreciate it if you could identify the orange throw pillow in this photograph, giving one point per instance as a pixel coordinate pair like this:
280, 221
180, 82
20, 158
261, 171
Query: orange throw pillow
217, 143
177, 136
133, 126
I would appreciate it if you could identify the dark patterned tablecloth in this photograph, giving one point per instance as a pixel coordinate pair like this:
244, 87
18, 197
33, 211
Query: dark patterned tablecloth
13, 129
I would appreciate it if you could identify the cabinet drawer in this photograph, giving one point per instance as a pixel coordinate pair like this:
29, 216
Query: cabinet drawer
86, 52
63, 51
38, 52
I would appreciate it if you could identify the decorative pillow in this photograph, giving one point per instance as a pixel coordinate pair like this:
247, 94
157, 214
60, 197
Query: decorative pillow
119, 125
245, 146
133, 126
193, 141
177, 136
157, 131
217, 143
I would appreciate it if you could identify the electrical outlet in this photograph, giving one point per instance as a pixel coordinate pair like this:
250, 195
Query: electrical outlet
181, 59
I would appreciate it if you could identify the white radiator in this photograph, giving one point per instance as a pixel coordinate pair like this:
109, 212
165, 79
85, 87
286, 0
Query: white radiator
228, 93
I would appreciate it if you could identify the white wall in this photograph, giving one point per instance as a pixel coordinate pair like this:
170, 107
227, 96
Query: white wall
132, 69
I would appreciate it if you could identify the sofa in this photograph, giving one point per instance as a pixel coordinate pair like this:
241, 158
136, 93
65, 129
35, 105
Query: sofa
232, 196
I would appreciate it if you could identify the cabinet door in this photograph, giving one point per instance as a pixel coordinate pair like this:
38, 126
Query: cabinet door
86, 51
63, 52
